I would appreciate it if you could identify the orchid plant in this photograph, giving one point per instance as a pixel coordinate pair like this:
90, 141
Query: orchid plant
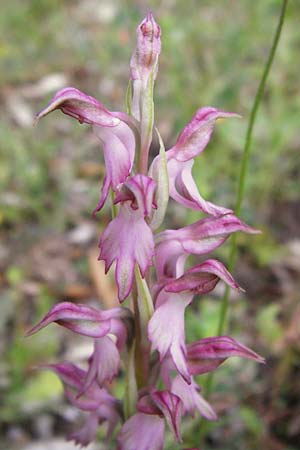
147, 337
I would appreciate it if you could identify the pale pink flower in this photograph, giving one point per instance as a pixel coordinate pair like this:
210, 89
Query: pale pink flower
180, 159
166, 327
114, 130
128, 239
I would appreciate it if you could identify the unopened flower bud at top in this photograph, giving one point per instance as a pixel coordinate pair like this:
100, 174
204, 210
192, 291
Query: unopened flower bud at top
147, 50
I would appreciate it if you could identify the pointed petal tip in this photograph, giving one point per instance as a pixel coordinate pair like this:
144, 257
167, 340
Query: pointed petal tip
252, 230
35, 120
261, 359
32, 331
149, 15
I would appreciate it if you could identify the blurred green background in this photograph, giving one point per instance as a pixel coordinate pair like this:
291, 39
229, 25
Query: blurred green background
212, 54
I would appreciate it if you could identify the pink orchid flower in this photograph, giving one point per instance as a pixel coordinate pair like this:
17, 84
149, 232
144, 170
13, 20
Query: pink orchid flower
166, 328
172, 247
145, 430
128, 239
96, 402
180, 160
114, 130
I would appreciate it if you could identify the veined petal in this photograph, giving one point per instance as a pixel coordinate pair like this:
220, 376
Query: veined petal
207, 354
170, 259
192, 399
128, 240
104, 363
92, 399
190, 143
119, 149
81, 319
73, 379
166, 328
202, 278
139, 190
142, 432
198, 238
170, 406
165, 404
184, 190
196, 134
208, 234
114, 129
107, 409
84, 108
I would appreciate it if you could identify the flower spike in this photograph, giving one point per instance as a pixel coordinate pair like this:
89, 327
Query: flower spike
146, 342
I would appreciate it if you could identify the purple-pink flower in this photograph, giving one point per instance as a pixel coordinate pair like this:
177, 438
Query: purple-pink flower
96, 402
145, 430
166, 327
172, 247
114, 130
128, 239
180, 160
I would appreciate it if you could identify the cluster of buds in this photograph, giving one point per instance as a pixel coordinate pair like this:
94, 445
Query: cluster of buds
147, 337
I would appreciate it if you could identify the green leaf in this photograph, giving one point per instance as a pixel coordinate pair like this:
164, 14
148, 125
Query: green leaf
162, 180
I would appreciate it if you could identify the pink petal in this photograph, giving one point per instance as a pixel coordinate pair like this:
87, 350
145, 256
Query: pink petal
142, 432
184, 190
199, 238
170, 259
84, 108
87, 433
128, 240
91, 399
81, 319
165, 404
202, 278
166, 329
170, 406
190, 143
192, 400
107, 410
196, 134
114, 129
207, 354
104, 363
73, 379
69, 374
119, 148
140, 190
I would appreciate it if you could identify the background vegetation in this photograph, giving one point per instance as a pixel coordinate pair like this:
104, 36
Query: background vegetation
213, 54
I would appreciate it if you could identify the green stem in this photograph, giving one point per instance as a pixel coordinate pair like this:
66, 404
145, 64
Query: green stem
143, 310
242, 179
114, 211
